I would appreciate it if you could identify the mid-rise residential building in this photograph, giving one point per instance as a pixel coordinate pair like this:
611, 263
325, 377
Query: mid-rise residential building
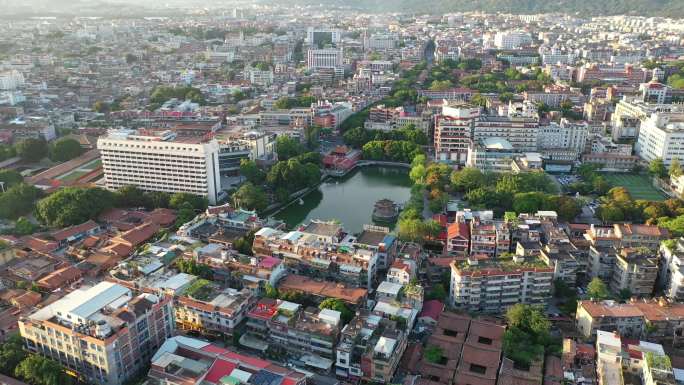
656, 320
105, 334
298, 330
187, 361
493, 285
520, 131
618, 359
635, 272
672, 269
370, 348
160, 162
661, 136
566, 135
323, 249
453, 128
492, 154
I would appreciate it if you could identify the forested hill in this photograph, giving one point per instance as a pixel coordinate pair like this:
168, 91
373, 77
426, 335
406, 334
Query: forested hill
668, 8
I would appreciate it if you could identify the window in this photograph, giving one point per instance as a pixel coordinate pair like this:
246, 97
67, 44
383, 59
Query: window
484, 340
479, 369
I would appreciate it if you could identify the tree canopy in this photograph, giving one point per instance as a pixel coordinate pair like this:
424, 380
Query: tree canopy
70, 206
64, 149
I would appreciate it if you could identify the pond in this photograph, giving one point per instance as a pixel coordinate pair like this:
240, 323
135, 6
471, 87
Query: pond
350, 199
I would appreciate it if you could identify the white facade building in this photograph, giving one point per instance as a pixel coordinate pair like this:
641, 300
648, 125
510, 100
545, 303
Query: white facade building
160, 163
661, 136
11, 80
325, 58
511, 39
565, 135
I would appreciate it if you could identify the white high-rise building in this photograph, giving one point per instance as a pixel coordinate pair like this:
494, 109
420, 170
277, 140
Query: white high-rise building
161, 163
511, 39
325, 58
661, 135
11, 80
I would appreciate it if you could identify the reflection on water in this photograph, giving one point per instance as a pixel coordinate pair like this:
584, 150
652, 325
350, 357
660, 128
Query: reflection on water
350, 199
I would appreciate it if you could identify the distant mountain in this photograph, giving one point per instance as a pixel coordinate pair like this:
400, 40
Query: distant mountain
670, 8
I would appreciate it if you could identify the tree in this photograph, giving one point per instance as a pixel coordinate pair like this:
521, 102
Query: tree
101, 107
10, 178
190, 266
356, 137
250, 170
287, 147
32, 149
597, 289
411, 230
65, 149
38, 370
437, 292
675, 168
270, 291
527, 335
417, 173
434, 354
657, 168
441, 85
11, 354
467, 179
625, 294
312, 134
24, 227
336, 304
18, 200
198, 203
72, 205
130, 58
131, 196
250, 197
184, 214
530, 202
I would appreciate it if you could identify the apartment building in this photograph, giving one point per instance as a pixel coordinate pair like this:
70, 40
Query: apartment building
104, 333
453, 130
483, 238
210, 310
160, 162
458, 238
636, 235
321, 249
563, 258
661, 135
621, 359
187, 361
494, 285
566, 135
636, 271
370, 348
672, 270
520, 132
665, 320
298, 330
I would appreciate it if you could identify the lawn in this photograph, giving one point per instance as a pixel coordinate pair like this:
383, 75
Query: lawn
639, 186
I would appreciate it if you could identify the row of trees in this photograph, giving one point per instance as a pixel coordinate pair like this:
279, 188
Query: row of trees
391, 150
73, 205
523, 193
359, 136
163, 93
35, 149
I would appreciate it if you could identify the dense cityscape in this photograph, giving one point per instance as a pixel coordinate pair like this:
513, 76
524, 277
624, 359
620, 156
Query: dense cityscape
255, 193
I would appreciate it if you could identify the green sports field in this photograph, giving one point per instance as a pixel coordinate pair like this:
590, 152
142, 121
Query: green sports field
639, 186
